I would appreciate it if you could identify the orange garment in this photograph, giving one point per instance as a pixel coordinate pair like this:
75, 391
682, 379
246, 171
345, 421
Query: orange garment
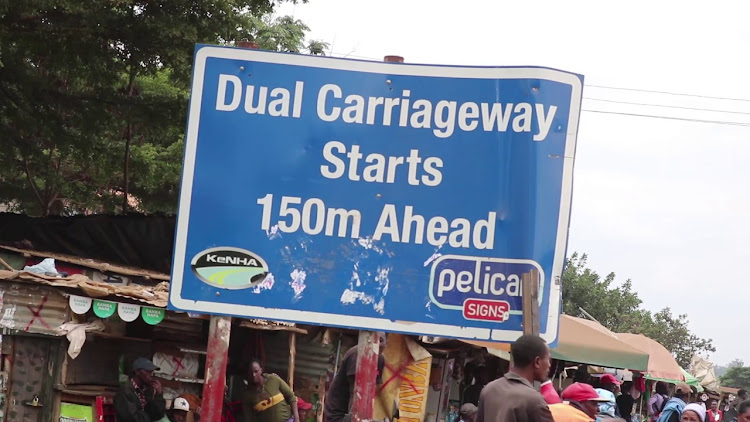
566, 413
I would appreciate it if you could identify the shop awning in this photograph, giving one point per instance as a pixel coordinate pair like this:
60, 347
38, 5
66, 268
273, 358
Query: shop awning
661, 363
689, 380
584, 341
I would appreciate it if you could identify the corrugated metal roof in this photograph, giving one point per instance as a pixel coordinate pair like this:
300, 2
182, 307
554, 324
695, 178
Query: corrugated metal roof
268, 325
155, 296
152, 295
91, 263
312, 360
179, 328
31, 308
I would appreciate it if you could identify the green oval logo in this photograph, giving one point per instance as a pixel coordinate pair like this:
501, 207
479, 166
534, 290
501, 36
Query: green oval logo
229, 268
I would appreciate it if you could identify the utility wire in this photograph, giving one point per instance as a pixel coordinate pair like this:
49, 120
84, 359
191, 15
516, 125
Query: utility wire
682, 94
713, 110
719, 122
651, 116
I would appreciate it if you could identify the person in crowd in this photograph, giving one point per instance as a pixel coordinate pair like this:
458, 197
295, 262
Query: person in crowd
340, 395
231, 410
194, 402
468, 412
731, 414
657, 401
268, 398
140, 399
672, 411
625, 401
714, 414
304, 409
582, 374
550, 393
743, 411
694, 412
481, 378
580, 404
179, 410
609, 385
513, 398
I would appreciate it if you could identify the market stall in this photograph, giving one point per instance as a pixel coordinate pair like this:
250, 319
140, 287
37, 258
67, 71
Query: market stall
584, 341
84, 322
661, 363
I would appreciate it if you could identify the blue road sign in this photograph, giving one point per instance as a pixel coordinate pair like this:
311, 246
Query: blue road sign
380, 196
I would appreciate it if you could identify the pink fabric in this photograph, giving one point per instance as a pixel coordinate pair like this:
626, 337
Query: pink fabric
640, 384
549, 393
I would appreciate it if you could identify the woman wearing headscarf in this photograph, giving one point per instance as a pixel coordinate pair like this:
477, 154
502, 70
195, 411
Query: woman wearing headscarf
694, 412
268, 398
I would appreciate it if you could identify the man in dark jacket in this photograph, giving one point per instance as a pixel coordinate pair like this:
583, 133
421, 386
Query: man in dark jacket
140, 399
340, 396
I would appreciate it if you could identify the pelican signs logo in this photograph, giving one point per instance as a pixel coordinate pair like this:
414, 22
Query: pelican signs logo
229, 268
483, 289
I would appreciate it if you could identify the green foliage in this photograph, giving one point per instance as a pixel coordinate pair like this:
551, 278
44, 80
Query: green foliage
618, 308
93, 95
736, 377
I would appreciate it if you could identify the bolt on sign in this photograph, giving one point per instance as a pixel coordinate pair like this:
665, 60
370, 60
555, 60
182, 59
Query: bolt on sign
396, 197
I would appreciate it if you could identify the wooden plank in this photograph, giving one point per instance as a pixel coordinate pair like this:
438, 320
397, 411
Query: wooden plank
292, 357
530, 289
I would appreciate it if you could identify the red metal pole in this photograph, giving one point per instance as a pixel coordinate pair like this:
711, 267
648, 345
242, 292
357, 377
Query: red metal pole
216, 368
368, 350
367, 373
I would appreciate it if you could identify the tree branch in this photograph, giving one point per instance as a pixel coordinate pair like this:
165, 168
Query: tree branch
33, 186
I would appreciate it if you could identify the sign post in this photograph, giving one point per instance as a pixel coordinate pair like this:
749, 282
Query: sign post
365, 376
367, 355
216, 368
375, 196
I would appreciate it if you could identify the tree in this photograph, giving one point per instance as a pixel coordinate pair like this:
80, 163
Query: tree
720, 370
93, 95
618, 308
736, 377
615, 307
736, 363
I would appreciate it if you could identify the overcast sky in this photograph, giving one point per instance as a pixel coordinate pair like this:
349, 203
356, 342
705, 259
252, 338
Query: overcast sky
662, 202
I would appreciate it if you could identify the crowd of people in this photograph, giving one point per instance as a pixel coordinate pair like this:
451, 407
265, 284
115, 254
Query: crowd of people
267, 398
513, 397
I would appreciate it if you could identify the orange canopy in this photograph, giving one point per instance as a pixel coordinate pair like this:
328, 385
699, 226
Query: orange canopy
584, 341
661, 363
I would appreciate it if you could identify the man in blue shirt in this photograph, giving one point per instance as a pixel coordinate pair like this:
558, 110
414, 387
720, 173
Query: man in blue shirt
672, 411
609, 384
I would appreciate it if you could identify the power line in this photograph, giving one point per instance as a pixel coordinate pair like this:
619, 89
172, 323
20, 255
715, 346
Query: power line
668, 106
719, 122
652, 116
682, 94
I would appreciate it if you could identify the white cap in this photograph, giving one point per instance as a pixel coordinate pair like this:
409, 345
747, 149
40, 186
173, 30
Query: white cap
180, 404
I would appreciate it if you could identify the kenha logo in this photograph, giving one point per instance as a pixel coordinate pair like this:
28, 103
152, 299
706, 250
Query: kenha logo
229, 268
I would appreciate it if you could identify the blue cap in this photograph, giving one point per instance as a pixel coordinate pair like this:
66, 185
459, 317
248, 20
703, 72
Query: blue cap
145, 364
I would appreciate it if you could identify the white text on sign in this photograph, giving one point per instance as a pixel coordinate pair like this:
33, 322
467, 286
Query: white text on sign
313, 217
442, 116
379, 168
